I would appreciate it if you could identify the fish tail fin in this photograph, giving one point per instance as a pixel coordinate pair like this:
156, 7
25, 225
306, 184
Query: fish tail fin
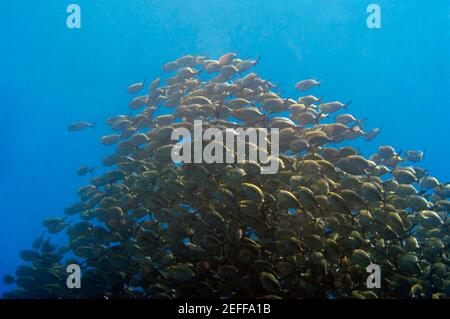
200, 73
322, 116
384, 199
422, 192
320, 82
360, 122
347, 104
93, 125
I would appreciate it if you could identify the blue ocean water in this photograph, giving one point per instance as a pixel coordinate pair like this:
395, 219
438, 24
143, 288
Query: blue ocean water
397, 76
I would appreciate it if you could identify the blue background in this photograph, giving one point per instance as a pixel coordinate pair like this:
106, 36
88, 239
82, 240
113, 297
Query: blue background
397, 76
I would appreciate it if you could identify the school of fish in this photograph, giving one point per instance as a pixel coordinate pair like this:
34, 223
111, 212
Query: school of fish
150, 228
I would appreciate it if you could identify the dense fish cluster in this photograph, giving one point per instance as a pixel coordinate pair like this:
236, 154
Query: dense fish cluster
150, 228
